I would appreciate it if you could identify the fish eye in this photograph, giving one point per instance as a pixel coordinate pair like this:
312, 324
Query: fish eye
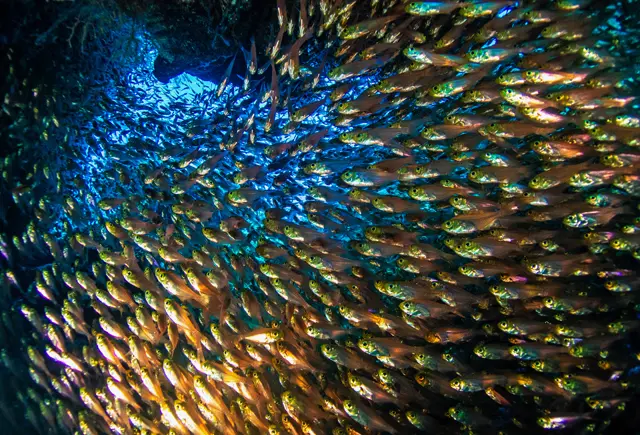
502, 324
473, 174
467, 244
447, 224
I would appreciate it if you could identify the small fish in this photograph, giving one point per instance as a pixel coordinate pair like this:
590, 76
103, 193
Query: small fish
432, 8
223, 83
363, 28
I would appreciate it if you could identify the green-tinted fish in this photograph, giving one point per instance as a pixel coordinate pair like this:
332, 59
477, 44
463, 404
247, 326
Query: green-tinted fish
431, 8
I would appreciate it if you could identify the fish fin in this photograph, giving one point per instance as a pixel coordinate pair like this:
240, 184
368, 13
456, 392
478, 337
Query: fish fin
458, 313
484, 222
610, 213
449, 258
199, 349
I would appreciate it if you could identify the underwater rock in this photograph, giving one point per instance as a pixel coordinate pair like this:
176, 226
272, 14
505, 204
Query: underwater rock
199, 38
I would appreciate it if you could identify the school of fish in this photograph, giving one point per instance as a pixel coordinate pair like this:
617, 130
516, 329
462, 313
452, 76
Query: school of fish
411, 217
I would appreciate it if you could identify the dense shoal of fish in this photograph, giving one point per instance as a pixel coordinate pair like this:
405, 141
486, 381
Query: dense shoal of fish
411, 217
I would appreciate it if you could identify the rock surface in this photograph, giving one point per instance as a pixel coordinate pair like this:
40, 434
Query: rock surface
202, 37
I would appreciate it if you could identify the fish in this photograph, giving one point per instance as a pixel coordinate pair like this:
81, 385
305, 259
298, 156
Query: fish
404, 206
223, 84
361, 29
432, 8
